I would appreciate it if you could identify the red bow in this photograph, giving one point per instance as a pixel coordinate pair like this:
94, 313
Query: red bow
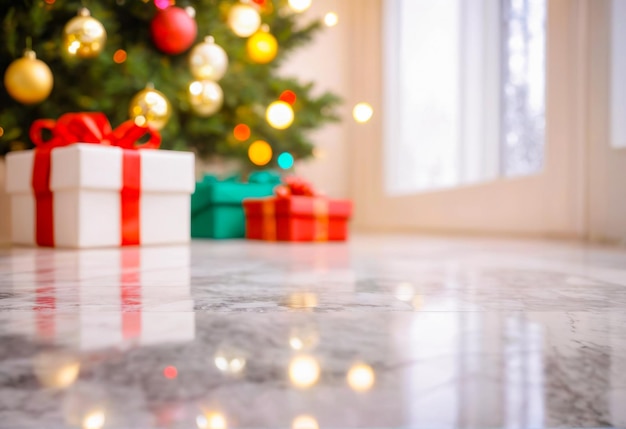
295, 186
92, 127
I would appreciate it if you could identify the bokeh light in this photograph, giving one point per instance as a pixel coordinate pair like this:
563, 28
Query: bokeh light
285, 160
304, 422
361, 377
229, 361
162, 4
56, 369
211, 420
191, 11
260, 152
362, 112
288, 96
119, 56
300, 5
94, 420
302, 300
279, 115
404, 292
303, 338
170, 372
244, 20
242, 132
319, 153
417, 302
304, 371
331, 19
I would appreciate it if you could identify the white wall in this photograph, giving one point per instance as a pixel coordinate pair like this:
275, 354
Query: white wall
326, 62
4, 208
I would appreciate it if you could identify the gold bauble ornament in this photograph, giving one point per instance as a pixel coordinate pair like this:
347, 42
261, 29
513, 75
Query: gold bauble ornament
150, 107
208, 61
262, 47
28, 80
244, 20
206, 97
84, 36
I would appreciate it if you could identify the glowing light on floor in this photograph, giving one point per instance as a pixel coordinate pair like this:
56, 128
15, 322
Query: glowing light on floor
170, 372
304, 371
94, 420
304, 422
361, 377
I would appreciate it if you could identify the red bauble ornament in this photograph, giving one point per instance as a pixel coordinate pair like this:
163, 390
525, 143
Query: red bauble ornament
173, 30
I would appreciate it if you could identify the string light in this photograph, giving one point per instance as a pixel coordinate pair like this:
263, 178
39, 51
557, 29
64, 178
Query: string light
119, 56
244, 20
279, 115
242, 132
299, 5
288, 96
331, 19
162, 4
285, 160
362, 112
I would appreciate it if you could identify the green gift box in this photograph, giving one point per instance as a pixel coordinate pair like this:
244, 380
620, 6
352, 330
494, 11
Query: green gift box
216, 205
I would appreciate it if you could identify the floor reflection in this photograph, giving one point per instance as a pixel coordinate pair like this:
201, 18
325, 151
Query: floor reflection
240, 335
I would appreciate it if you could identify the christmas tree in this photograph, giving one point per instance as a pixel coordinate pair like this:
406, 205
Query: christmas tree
152, 44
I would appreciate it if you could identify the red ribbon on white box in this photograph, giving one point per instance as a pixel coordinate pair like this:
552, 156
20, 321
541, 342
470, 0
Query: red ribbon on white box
92, 128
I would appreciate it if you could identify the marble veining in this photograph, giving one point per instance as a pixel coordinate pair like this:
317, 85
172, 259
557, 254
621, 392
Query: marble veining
381, 332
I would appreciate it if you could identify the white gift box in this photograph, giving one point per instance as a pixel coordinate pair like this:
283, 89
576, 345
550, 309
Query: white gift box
86, 180
99, 298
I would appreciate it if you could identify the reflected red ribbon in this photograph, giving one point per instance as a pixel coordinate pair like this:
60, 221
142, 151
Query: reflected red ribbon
93, 128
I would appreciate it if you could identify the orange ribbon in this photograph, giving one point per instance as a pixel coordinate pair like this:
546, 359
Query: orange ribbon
269, 219
93, 128
320, 212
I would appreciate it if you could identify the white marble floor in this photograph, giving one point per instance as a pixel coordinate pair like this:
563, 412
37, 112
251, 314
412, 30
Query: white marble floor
382, 332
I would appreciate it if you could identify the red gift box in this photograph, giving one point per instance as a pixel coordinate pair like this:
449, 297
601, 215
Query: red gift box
297, 214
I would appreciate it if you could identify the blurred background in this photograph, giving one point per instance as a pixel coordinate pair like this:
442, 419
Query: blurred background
503, 117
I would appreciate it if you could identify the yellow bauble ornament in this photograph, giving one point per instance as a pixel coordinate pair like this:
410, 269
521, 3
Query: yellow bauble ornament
262, 47
28, 80
150, 107
206, 97
84, 36
244, 20
208, 60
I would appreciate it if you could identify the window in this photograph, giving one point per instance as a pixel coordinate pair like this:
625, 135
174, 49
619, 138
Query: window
464, 91
618, 73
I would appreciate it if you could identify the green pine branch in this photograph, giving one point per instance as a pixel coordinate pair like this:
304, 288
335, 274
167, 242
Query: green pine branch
100, 84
